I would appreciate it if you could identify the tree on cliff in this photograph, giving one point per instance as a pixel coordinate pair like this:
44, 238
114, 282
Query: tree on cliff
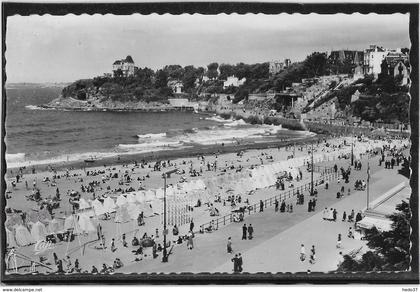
316, 64
212, 70
161, 79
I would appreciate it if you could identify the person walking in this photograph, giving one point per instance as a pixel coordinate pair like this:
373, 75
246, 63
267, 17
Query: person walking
339, 241
244, 230
192, 225
190, 243
229, 245
312, 256
261, 206
302, 252
250, 231
335, 215
350, 233
276, 206
344, 216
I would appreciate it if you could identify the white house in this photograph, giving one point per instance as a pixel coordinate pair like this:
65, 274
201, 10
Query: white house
372, 59
233, 81
126, 65
176, 86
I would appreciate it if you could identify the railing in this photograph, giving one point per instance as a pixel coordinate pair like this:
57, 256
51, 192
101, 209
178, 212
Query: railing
227, 219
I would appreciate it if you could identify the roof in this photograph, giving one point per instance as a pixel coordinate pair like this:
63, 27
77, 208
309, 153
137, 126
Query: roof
129, 59
117, 62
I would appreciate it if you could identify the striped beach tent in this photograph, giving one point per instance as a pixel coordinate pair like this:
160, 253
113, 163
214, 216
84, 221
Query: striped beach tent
122, 215
150, 195
131, 198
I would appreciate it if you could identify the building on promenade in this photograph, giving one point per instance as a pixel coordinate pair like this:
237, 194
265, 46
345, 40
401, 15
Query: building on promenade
124, 67
372, 59
175, 85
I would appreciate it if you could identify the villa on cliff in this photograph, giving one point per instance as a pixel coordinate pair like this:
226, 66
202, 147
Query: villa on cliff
124, 67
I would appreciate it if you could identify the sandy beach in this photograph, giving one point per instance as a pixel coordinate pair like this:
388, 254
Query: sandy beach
114, 180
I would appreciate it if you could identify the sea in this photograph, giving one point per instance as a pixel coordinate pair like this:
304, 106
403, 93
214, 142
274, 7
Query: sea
37, 136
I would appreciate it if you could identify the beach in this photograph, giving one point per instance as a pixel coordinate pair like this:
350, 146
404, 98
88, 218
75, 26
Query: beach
223, 165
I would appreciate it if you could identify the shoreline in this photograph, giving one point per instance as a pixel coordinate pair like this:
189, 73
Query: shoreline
126, 158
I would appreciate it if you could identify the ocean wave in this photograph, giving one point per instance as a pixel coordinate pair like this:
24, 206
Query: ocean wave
151, 136
34, 107
13, 158
151, 145
235, 123
219, 119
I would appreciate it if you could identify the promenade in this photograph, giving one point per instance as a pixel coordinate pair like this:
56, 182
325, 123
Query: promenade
277, 236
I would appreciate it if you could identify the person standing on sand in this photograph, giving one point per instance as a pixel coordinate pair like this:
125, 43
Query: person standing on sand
244, 230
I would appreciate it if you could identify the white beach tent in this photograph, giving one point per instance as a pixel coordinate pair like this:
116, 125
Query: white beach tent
133, 210
140, 197
71, 223
159, 193
121, 200
22, 236
86, 224
131, 198
98, 207
83, 204
109, 205
10, 238
38, 231
55, 226
122, 215
150, 195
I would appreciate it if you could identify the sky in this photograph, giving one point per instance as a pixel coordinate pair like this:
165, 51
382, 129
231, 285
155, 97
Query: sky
66, 48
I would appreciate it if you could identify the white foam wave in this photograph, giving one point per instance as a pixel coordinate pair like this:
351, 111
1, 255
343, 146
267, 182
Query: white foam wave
13, 158
235, 123
150, 145
219, 119
152, 136
33, 107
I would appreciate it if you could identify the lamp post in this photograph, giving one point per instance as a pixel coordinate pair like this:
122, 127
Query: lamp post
367, 187
165, 231
352, 159
312, 168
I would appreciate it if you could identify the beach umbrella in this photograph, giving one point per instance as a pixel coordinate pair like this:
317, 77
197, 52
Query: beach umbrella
22, 236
